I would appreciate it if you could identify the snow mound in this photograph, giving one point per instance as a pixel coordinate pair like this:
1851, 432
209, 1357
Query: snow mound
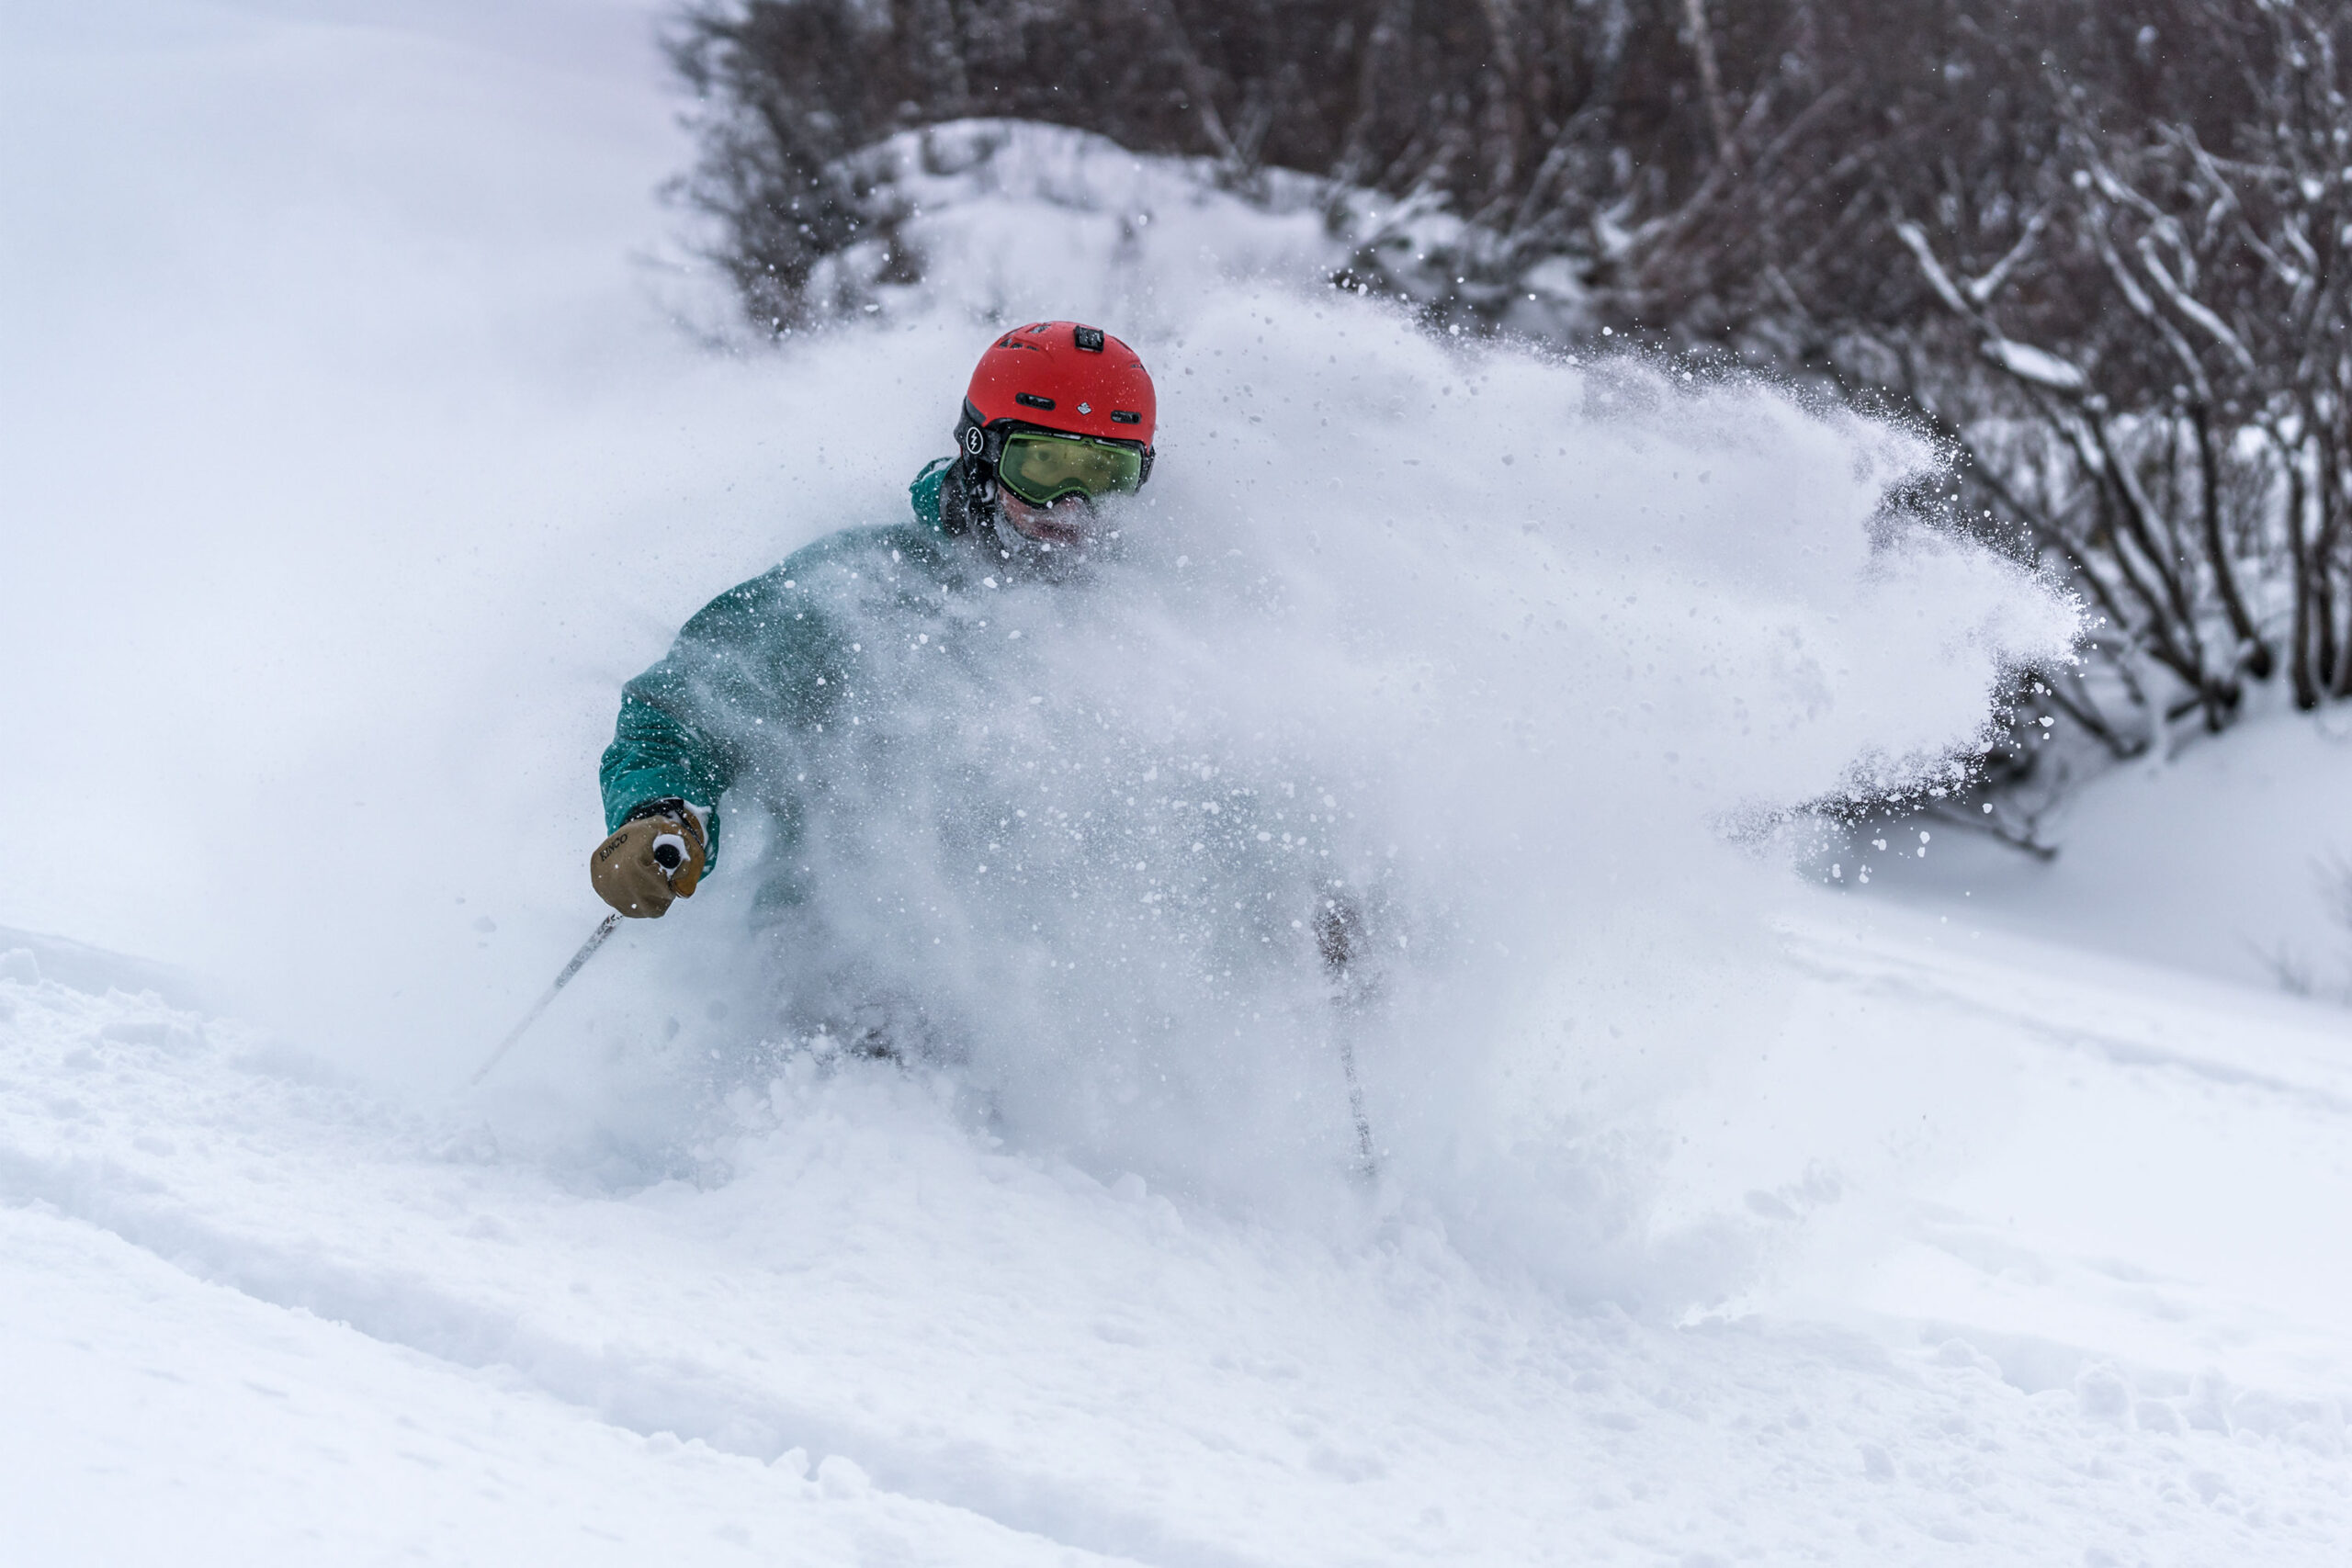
2228, 857
976, 212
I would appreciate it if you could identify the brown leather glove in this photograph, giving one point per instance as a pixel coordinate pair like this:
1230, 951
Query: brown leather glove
649, 861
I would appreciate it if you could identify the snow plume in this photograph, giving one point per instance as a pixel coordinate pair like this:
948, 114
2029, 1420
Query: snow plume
1493, 650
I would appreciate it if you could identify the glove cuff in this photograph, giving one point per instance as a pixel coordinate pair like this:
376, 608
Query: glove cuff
696, 818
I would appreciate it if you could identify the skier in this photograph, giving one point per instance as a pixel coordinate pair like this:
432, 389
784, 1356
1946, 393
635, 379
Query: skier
1057, 418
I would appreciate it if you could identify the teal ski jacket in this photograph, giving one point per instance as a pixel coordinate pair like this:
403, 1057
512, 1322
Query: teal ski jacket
742, 700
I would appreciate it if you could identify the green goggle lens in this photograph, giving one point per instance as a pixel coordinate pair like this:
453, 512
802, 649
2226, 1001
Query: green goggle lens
1041, 469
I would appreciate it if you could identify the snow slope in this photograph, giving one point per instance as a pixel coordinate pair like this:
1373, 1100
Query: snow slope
352, 467
2227, 857
243, 1293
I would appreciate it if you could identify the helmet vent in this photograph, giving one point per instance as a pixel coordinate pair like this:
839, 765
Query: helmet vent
1125, 416
1088, 338
1031, 400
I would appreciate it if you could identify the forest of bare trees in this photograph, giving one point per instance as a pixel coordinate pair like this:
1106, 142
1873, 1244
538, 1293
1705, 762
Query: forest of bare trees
2100, 250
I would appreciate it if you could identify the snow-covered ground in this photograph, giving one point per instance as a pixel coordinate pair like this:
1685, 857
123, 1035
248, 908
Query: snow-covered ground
2231, 858
258, 1314
351, 463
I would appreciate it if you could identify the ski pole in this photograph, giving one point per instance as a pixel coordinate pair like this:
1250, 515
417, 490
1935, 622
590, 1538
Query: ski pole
587, 950
1336, 930
1367, 1162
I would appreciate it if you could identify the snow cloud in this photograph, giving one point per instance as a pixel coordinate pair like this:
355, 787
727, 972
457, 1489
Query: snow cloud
1508, 654
1496, 648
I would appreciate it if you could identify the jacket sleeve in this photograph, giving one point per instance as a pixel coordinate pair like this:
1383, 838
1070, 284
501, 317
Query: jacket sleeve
655, 754
682, 722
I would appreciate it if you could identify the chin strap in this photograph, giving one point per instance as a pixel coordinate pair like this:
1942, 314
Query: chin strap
967, 498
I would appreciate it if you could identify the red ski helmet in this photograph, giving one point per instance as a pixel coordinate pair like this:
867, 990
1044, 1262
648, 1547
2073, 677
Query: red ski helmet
1057, 376
1061, 375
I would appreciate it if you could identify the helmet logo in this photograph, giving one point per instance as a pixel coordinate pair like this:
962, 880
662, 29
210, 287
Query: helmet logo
1086, 408
973, 440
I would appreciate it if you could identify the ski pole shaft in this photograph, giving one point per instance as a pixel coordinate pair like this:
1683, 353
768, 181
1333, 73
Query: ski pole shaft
1367, 1162
587, 950
1338, 936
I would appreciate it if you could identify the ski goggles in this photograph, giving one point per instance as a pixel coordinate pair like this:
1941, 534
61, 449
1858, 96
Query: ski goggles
1042, 468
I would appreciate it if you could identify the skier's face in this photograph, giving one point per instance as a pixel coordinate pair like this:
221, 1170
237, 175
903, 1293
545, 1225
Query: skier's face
1065, 524
1058, 543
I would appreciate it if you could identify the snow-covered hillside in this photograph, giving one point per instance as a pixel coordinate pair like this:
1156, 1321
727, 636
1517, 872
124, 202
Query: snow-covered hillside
258, 1314
2228, 857
354, 462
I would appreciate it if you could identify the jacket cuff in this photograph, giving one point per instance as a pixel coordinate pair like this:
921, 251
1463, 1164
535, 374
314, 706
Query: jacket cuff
705, 820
